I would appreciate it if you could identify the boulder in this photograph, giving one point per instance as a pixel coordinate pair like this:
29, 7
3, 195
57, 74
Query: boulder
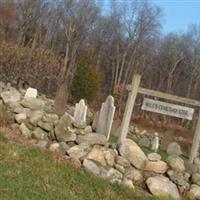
133, 153
113, 175
90, 166
176, 163
174, 149
47, 126
97, 155
109, 157
154, 157
122, 161
159, 167
63, 129
145, 142
78, 151
42, 144
24, 130
120, 168
162, 187
35, 117
50, 117
134, 174
19, 109
32, 103
180, 179
91, 139
194, 192
196, 179
40, 134
11, 96
128, 183
20, 118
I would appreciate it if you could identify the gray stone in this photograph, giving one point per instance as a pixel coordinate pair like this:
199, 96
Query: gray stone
35, 117
50, 117
47, 126
159, 167
133, 174
109, 157
63, 129
145, 142
97, 155
154, 157
196, 179
64, 147
20, 118
32, 103
42, 144
90, 166
80, 114
92, 138
133, 153
162, 187
128, 183
122, 161
40, 134
19, 109
54, 147
176, 163
78, 151
114, 175
120, 168
194, 192
174, 149
11, 96
24, 130
179, 179
106, 116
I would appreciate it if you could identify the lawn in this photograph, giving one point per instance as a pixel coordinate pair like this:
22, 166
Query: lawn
28, 173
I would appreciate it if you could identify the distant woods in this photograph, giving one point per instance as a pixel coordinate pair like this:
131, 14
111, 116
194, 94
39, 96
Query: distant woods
42, 43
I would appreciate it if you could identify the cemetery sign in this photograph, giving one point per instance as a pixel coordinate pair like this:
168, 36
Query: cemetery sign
167, 109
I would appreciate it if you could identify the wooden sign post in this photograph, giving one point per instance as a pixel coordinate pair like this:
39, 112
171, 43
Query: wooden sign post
162, 108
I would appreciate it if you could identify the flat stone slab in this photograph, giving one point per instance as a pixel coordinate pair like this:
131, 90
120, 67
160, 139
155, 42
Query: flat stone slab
11, 96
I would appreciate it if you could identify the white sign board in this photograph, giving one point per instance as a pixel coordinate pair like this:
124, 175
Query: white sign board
167, 109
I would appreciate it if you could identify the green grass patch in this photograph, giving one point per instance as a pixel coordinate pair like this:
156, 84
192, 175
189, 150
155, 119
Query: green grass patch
28, 173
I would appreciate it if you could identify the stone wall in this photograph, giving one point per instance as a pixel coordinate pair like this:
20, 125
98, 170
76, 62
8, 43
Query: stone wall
125, 163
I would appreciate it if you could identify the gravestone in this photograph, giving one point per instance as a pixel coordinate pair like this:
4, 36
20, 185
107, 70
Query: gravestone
106, 116
31, 93
80, 114
155, 142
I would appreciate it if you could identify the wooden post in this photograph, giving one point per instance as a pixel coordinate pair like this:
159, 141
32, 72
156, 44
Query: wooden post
129, 107
196, 141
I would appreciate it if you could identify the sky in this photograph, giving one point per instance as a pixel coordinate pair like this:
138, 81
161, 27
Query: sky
178, 14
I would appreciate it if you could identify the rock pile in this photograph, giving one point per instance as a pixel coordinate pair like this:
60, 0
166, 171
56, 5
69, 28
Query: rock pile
122, 163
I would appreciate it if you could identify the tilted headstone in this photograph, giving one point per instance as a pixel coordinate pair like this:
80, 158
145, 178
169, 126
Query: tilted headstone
80, 114
174, 149
106, 116
31, 93
155, 143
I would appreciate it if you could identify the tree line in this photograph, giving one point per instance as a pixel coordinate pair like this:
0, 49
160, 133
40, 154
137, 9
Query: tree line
120, 38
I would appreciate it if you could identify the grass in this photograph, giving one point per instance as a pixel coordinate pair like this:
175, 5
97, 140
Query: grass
28, 173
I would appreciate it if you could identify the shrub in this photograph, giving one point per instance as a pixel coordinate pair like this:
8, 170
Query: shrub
86, 82
38, 68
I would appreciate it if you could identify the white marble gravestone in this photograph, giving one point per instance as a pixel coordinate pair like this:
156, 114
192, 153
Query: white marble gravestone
80, 114
31, 93
155, 142
106, 116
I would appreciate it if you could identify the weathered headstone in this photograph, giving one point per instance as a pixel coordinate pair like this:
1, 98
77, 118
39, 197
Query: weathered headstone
106, 116
155, 142
80, 114
11, 96
31, 93
174, 149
